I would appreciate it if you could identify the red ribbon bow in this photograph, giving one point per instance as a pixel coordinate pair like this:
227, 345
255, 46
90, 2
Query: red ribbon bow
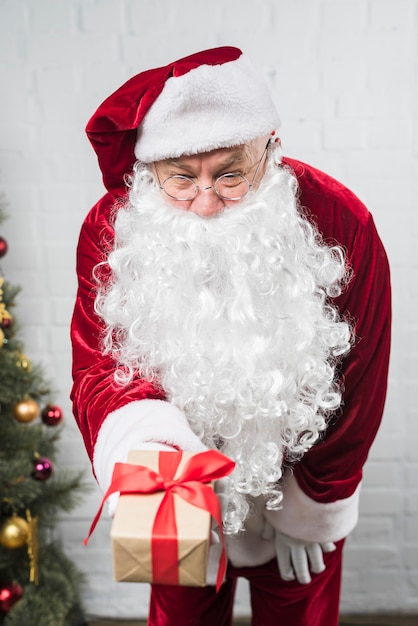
201, 468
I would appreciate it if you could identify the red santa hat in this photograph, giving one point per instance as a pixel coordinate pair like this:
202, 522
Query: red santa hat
211, 99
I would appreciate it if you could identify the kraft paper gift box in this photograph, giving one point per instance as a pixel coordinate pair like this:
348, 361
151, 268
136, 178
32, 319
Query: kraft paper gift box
132, 528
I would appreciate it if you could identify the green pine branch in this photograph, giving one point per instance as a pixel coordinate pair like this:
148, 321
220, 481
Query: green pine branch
55, 601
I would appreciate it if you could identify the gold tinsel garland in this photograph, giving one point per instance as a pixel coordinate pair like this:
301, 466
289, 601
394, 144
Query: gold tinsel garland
15, 532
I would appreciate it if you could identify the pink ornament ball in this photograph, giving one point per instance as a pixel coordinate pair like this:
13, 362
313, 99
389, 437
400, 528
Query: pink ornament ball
3, 247
42, 469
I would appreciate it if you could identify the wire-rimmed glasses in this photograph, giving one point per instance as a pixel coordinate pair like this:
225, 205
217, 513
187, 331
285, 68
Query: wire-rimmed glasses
229, 186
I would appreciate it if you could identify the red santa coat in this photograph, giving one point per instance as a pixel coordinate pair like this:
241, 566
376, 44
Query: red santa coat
321, 496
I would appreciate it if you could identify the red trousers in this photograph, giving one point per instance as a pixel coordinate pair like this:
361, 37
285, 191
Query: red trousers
274, 602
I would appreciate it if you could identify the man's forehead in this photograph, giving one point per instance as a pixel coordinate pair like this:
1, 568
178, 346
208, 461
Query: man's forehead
221, 155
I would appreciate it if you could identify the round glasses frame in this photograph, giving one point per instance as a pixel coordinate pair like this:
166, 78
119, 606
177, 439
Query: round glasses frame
192, 193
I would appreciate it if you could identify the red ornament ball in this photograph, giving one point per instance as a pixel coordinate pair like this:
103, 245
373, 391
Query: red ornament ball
3, 247
10, 593
7, 323
42, 469
52, 415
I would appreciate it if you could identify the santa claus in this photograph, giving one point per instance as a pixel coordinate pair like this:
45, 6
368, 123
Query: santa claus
231, 298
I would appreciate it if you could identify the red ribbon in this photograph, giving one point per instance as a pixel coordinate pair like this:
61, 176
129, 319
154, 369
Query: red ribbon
201, 468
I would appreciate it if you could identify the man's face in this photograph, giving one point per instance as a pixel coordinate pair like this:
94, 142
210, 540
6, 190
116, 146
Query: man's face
205, 168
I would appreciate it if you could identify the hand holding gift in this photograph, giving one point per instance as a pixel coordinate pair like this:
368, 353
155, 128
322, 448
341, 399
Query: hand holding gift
161, 529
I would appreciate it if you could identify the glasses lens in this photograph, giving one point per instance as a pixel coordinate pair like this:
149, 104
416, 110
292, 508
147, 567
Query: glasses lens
232, 186
180, 187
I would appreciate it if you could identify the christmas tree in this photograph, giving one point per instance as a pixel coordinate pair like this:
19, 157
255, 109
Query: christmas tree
38, 583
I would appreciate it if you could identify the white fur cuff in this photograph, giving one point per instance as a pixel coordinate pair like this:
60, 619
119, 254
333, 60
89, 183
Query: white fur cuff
143, 424
304, 518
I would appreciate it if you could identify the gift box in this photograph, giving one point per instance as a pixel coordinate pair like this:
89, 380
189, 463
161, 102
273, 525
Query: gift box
161, 529
132, 526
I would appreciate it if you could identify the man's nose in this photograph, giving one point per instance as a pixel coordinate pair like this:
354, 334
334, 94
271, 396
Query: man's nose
207, 203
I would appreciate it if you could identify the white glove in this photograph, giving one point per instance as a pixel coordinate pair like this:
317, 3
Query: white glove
215, 550
215, 547
297, 558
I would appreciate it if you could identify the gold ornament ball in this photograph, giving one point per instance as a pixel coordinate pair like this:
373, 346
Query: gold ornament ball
14, 532
26, 410
24, 363
1, 338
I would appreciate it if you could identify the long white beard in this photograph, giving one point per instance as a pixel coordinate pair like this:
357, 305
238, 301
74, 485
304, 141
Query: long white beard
231, 315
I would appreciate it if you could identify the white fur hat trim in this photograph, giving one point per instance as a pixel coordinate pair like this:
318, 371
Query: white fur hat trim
209, 107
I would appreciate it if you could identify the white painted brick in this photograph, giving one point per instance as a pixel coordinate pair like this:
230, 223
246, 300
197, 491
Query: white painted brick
241, 12
345, 134
411, 500
379, 104
14, 17
34, 338
60, 368
380, 502
61, 281
20, 79
59, 225
156, 16
376, 589
301, 134
388, 447
333, 79
352, 15
375, 162
321, 106
60, 255
62, 310
24, 228
410, 557
395, 133
25, 255
59, 339
378, 474
410, 529
411, 475
105, 16
373, 529
69, 50
36, 308
382, 189
57, 16
18, 162
11, 46
52, 81
337, 47
412, 442
412, 583
390, 15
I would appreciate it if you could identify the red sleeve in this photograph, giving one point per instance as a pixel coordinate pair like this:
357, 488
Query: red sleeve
332, 469
94, 393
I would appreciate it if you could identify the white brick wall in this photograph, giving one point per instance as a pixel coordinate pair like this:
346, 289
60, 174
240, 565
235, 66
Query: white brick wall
344, 76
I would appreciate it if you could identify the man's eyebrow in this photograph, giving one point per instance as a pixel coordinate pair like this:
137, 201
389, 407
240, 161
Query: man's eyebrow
237, 157
174, 163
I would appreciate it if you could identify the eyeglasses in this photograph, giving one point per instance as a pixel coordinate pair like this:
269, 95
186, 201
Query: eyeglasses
227, 187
